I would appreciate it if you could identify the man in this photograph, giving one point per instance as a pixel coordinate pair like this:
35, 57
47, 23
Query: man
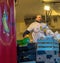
37, 29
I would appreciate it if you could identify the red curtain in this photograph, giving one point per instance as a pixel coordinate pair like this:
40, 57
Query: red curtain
7, 32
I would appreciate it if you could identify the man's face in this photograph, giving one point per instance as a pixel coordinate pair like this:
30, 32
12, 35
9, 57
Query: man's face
38, 18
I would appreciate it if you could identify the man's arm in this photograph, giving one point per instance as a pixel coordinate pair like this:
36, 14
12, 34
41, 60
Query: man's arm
25, 33
29, 29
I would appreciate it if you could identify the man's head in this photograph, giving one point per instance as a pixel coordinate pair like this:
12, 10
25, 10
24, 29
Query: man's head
39, 18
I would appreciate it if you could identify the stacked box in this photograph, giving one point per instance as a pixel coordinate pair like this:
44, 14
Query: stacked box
47, 51
27, 53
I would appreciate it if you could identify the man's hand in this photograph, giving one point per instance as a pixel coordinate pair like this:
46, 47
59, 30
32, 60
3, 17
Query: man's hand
26, 36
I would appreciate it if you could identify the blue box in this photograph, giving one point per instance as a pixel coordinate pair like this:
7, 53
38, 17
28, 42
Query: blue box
29, 62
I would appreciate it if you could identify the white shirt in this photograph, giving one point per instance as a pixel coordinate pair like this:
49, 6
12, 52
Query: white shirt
37, 31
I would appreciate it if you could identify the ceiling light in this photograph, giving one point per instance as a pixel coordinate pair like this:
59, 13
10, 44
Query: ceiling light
46, 7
